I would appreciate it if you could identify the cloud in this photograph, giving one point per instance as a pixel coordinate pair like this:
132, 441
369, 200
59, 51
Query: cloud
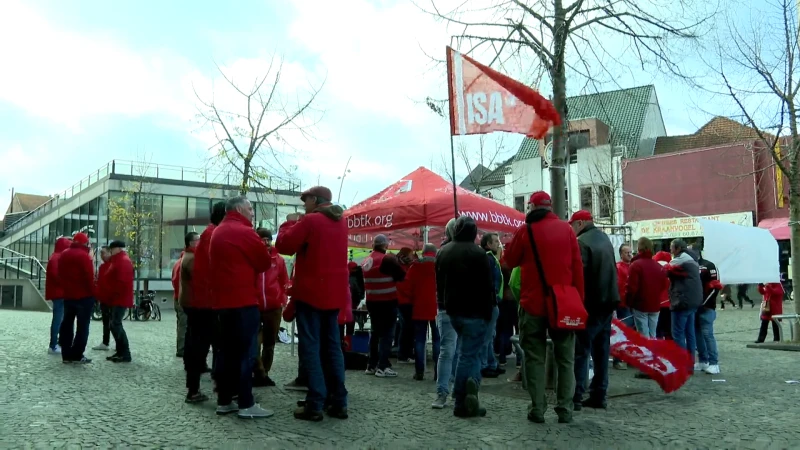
68, 77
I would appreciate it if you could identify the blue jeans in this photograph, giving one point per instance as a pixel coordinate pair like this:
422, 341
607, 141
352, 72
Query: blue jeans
683, 329
488, 361
646, 323
472, 333
625, 315
594, 341
320, 345
55, 324
404, 333
445, 369
72, 340
238, 329
420, 339
707, 344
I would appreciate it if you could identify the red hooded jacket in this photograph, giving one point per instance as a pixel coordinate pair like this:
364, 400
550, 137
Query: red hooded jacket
272, 284
773, 296
52, 285
646, 283
201, 272
116, 284
237, 258
403, 287
319, 239
623, 269
663, 258
176, 278
76, 272
559, 253
421, 279
102, 272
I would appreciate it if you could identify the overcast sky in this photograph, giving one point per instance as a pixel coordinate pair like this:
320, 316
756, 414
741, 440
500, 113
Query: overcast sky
87, 81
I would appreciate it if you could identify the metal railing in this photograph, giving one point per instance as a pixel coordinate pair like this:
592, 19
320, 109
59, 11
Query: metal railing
146, 170
16, 266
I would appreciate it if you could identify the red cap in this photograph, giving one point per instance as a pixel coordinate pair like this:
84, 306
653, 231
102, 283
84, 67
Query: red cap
540, 199
580, 215
317, 191
662, 256
80, 238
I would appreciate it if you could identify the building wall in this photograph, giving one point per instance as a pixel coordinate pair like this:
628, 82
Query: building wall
710, 181
652, 128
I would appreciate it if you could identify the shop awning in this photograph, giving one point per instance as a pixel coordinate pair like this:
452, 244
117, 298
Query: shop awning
779, 227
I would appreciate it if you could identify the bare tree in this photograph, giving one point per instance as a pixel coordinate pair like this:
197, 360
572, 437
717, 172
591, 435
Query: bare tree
253, 135
548, 30
757, 68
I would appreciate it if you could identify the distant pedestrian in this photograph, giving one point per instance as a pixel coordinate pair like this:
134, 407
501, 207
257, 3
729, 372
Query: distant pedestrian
741, 295
490, 243
602, 299
772, 305
404, 331
198, 336
237, 256
180, 314
445, 369
319, 291
117, 287
76, 275
272, 299
105, 304
624, 313
708, 356
685, 295
54, 292
464, 281
560, 257
421, 278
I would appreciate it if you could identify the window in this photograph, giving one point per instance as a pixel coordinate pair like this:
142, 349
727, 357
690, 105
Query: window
605, 201
586, 198
173, 221
519, 203
199, 214
265, 215
283, 211
148, 210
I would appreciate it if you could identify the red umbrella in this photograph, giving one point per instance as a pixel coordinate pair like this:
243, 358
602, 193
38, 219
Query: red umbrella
423, 198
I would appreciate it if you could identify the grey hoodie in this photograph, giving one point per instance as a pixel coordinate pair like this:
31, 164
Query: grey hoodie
685, 289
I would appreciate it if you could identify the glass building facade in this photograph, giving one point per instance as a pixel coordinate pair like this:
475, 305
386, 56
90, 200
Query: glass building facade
171, 217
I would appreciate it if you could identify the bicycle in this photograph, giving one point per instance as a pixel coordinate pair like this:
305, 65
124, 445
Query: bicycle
146, 307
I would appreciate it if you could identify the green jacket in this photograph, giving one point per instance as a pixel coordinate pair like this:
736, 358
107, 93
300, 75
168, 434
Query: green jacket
499, 282
515, 283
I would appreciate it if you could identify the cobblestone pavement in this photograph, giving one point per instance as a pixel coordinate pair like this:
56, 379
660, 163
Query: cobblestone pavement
45, 404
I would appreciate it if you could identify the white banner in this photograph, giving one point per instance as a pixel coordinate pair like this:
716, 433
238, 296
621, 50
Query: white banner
742, 254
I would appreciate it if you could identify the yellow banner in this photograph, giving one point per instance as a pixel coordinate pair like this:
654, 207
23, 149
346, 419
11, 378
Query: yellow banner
778, 175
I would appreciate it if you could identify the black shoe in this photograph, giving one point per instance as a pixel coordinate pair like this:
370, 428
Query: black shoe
179, 355
264, 381
577, 406
535, 418
758, 342
500, 370
463, 412
489, 373
642, 376
121, 359
596, 404
196, 398
563, 418
111, 358
337, 412
206, 369
302, 413
418, 376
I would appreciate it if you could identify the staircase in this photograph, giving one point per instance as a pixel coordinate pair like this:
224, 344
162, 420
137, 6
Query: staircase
22, 281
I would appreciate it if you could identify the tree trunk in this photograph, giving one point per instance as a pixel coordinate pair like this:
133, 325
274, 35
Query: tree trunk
245, 177
794, 218
559, 163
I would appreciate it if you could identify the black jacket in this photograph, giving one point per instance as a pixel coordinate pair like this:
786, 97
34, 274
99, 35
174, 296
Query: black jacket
708, 274
463, 275
599, 271
356, 286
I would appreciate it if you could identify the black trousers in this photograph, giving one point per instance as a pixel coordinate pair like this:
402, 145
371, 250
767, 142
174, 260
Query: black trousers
199, 332
120, 337
105, 311
762, 333
741, 294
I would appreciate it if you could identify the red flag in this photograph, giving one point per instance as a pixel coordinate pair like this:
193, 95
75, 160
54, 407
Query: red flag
483, 100
666, 362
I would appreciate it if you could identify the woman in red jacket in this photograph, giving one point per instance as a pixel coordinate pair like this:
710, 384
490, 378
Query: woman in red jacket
54, 292
664, 326
421, 281
272, 299
404, 332
771, 306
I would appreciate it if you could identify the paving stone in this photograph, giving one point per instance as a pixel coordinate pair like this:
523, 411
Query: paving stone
45, 404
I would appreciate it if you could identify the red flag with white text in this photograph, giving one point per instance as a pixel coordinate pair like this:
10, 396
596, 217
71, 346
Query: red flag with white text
668, 364
483, 100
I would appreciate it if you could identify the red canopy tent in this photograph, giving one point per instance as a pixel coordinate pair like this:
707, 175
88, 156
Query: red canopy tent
424, 199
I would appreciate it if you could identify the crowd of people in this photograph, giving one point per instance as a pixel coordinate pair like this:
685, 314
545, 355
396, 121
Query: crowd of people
232, 289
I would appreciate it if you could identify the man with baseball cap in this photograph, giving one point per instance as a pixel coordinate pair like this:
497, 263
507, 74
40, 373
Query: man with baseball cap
560, 258
602, 298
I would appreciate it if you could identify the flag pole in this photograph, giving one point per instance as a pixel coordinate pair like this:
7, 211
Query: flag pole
450, 94
453, 168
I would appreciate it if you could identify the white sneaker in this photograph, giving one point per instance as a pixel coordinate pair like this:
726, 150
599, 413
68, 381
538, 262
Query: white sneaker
100, 347
369, 371
54, 351
227, 409
712, 369
699, 367
385, 373
255, 412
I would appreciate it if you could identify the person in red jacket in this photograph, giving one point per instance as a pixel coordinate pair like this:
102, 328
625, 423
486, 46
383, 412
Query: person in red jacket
664, 327
76, 275
560, 255
202, 320
271, 301
237, 257
772, 305
55, 293
117, 287
647, 280
190, 242
623, 312
404, 331
319, 290
105, 306
421, 279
